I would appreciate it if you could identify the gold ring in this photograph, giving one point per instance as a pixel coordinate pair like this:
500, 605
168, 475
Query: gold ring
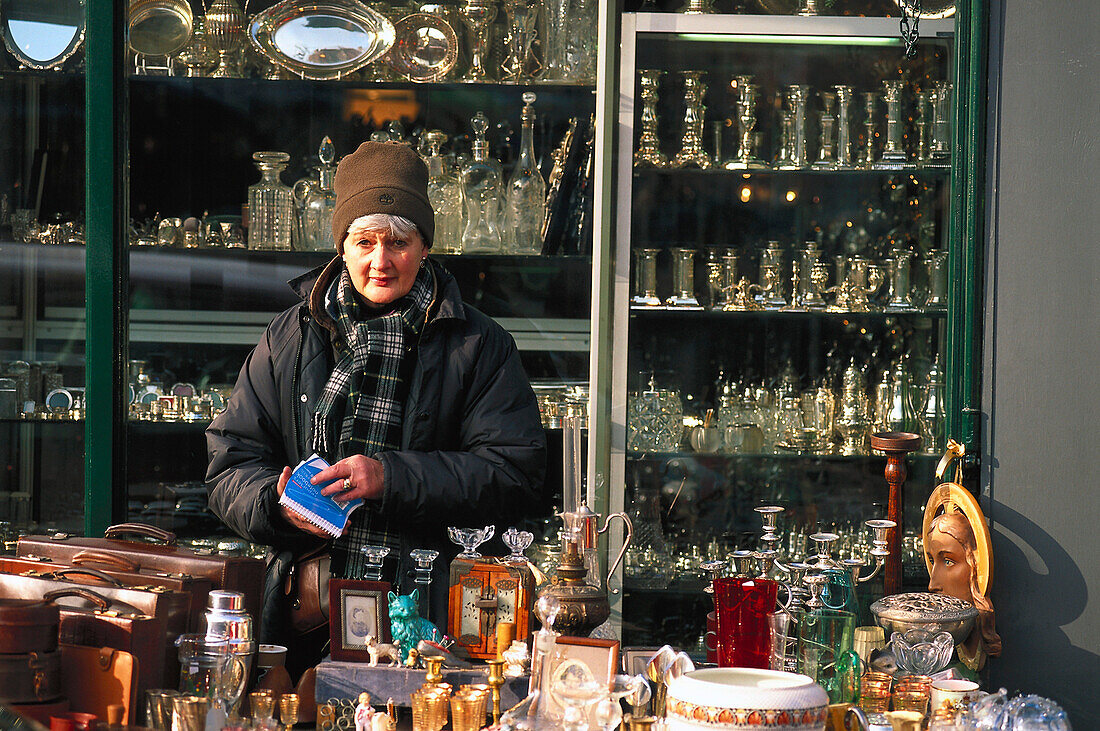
347, 484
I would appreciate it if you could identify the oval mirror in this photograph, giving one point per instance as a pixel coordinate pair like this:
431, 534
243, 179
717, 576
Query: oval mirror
42, 34
323, 39
159, 27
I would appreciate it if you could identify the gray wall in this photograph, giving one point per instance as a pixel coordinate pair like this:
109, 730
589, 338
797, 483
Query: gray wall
1041, 399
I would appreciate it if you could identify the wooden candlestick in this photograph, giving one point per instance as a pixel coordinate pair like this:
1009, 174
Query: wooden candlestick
896, 445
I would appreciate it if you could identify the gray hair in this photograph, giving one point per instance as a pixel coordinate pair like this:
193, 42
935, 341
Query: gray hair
399, 226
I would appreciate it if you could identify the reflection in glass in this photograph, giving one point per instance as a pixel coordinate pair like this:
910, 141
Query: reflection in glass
42, 34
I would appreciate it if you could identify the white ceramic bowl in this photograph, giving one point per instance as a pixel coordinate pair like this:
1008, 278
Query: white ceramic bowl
715, 699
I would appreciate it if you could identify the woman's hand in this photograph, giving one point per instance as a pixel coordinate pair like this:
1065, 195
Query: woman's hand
293, 518
356, 477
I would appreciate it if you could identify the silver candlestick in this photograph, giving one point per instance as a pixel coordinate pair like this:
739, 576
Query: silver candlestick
649, 152
826, 150
893, 155
923, 125
692, 153
940, 152
746, 124
866, 157
796, 96
843, 127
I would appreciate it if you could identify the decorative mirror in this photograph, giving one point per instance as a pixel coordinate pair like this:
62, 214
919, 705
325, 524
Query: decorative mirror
321, 39
159, 27
42, 34
426, 48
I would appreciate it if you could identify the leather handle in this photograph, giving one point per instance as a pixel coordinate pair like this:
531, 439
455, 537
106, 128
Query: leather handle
83, 558
99, 600
141, 529
94, 573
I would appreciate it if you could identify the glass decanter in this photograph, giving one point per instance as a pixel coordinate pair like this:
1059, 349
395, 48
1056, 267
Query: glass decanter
481, 188
525, 203
317, 201
445, 195
270, 205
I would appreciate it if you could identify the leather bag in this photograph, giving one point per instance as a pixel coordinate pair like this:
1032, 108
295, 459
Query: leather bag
31, 677
306, 590
234, 573
27, 626
93, 678
125, 572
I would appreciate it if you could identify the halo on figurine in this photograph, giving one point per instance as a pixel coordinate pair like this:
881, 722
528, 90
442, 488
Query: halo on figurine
953, 497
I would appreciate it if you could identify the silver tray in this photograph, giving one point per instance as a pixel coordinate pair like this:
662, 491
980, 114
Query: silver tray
426, 48
321, 39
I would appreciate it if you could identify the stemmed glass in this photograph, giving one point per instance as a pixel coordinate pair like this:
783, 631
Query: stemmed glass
517, 542
574, 685
478, 15
470, 539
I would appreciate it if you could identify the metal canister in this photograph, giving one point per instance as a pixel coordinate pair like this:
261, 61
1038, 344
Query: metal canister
226, 616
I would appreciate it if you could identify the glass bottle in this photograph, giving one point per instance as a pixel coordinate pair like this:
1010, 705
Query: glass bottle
317, 201
481, 187
270, 205
445, 195
525, 206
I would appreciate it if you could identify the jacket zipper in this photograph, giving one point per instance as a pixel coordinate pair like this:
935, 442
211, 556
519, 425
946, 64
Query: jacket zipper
295, 382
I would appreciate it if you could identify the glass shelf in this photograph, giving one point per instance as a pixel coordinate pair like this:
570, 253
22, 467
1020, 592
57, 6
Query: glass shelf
709, 314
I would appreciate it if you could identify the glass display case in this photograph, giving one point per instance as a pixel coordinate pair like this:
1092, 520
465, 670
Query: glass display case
233, 140
783, 195
41, 268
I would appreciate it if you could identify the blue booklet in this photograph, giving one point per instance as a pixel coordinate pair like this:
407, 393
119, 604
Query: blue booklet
307, 501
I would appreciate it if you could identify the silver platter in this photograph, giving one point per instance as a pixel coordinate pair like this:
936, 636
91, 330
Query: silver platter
321, 39
159, 27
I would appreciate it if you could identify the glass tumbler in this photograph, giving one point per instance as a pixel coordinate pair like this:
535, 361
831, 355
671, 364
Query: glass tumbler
825, 653
645, 278
743, 606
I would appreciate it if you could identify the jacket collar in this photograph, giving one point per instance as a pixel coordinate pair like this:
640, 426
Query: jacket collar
312, 285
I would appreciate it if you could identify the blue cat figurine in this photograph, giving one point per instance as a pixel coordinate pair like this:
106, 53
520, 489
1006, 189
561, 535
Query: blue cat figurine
406, 625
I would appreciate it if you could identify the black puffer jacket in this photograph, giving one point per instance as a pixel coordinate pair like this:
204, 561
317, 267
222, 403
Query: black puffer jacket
473, 450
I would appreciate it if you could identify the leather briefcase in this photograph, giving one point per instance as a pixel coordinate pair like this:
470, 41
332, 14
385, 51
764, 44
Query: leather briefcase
233, 573
93, 678
125, 572
107, 624
169, 606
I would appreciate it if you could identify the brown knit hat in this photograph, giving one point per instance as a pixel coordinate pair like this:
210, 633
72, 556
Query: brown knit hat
382, 177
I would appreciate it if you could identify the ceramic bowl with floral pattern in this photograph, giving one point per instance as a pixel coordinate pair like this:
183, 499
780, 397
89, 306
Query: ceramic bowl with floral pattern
745, 699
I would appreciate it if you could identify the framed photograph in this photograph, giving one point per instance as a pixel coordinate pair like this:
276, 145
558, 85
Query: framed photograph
601, 657
358, 615
636, 658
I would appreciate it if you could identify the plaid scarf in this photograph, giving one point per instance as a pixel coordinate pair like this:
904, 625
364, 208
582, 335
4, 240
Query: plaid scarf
365, 394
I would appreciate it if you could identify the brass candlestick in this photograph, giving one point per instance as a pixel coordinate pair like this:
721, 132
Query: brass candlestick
896, 445
496, 680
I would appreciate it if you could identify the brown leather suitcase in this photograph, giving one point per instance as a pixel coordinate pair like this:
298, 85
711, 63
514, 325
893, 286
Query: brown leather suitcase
107, 624
170, 607
125, 571
234, 573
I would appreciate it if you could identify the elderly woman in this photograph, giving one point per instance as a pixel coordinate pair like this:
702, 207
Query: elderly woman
417, 400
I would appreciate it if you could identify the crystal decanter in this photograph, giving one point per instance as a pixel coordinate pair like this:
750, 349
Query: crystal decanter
445, 195
270, 205
481, 186
525, 203
317, 201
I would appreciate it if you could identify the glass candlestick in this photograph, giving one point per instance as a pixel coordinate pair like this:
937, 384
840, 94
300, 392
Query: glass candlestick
683, 273
373, 556
423, 558
826, 150
645, 278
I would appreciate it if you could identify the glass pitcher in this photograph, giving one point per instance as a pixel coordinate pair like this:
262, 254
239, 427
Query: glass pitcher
208, 668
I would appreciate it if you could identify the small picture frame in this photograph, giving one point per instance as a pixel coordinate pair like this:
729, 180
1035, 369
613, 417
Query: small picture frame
601, 657
636, 658
358, 611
